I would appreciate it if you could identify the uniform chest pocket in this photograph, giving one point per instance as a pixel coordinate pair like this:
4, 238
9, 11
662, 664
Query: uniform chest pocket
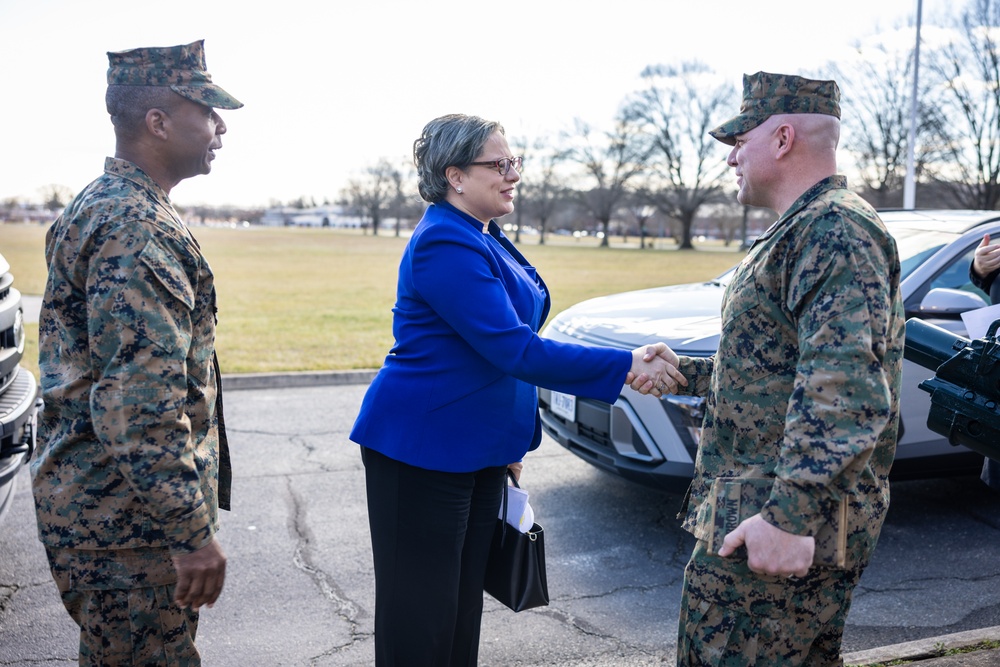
752, 345
741, 297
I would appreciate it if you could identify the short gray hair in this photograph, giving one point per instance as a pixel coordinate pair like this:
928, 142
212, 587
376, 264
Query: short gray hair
455, 140
128, 105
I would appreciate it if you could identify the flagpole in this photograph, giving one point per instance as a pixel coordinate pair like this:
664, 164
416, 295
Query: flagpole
909, 184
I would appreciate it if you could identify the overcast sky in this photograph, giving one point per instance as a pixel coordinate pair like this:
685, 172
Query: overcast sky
331, 87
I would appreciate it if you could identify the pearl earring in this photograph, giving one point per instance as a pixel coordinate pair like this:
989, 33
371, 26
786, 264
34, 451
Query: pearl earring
459, 189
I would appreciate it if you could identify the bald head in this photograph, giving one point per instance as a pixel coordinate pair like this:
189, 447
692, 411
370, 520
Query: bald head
821, 133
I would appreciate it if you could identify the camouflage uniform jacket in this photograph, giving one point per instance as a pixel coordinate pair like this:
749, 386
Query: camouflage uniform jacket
129, 453
805, 385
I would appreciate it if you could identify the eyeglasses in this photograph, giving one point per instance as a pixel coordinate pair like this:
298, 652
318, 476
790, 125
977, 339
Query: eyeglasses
503, 165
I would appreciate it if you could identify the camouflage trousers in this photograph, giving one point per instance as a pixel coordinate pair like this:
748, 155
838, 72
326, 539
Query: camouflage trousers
123, 601
732, 617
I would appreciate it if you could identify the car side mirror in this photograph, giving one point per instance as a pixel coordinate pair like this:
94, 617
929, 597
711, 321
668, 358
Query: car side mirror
946, 301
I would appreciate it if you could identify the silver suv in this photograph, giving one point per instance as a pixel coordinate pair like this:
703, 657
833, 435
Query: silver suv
18, 390
654, 441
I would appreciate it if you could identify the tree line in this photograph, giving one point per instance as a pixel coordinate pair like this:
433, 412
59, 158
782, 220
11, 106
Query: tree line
657, 161
654, 163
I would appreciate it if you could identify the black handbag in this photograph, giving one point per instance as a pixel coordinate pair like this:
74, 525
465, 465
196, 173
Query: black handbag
515, 571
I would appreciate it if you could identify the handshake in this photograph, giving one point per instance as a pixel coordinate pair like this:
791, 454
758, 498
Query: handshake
654, 370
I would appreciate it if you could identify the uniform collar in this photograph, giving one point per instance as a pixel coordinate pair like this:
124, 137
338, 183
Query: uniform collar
131, 172
835, 182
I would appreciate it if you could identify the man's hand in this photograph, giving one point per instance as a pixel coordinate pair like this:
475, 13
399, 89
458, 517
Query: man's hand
200, 575
987, 259
654, 370
771, 550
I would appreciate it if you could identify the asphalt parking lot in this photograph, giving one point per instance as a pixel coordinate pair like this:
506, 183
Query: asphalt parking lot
299, 588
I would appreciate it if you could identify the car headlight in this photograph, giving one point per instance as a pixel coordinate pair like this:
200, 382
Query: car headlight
692, 411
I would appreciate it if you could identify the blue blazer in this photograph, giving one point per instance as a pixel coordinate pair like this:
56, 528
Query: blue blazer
457, 391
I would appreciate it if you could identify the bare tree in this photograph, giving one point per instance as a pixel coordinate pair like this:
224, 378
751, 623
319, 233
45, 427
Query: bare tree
9, 207
303, 202
398, 198
609, 160
372, 194
968, 69
541, 186
638, 205
879, 83
518, 146
402, 204
55, 196
674, 114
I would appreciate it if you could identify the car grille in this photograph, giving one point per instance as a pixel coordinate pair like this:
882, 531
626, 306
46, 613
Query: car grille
6, 281
11, 401
593, 425
593, 422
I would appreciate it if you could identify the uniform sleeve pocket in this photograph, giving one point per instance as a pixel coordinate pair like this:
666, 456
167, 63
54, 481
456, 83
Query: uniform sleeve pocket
157, 301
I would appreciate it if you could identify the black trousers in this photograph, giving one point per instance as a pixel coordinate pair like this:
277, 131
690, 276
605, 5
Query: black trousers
431, 534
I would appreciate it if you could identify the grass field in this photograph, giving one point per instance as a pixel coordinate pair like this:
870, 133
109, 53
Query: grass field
320, 299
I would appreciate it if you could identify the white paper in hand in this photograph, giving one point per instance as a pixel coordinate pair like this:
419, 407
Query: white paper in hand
519, 513
977, 322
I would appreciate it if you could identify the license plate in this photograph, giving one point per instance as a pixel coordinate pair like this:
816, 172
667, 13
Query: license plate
563, 405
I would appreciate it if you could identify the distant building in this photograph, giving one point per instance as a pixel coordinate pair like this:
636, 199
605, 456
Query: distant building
27, 214
320, 216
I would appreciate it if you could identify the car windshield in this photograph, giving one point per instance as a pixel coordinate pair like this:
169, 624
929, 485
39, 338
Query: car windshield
914, 245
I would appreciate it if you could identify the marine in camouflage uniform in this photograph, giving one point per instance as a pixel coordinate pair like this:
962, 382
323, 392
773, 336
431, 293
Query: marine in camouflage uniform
133, 464
804, 389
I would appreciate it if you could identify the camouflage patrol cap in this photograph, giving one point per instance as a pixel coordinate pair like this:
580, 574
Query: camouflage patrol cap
181, 67
765, 95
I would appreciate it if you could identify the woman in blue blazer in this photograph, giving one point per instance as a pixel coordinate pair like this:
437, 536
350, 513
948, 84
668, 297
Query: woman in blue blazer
455, 402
